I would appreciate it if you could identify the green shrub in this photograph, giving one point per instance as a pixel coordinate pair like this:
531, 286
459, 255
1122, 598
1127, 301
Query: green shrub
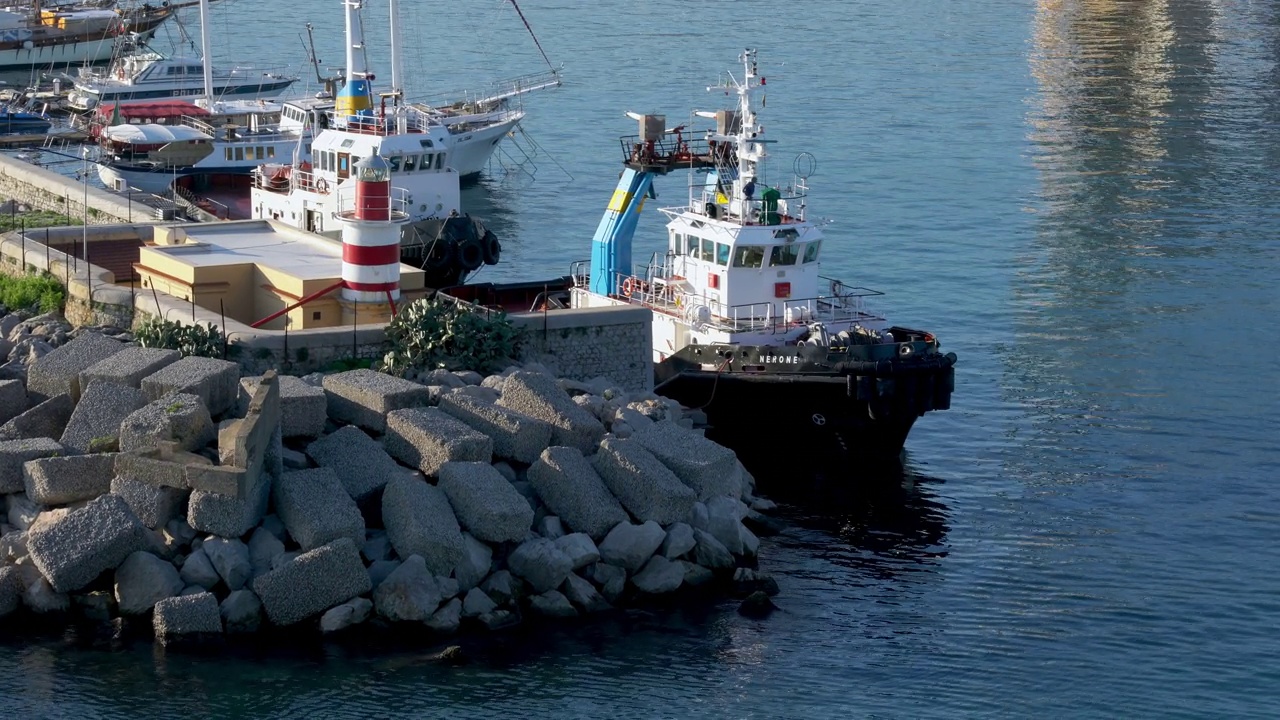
20, 293
186, 339
431, 333
35, 219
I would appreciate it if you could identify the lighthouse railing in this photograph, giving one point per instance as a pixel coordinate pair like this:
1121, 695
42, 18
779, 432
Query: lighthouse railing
400, 201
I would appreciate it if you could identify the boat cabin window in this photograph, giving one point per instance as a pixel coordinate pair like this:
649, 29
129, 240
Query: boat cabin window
691, 246
410, 162
811, 251
425, 143
708, 250
240, 153
228, 153
439, 161
426, 161
195, 70
748, 256
394, 162
171, 70
271, 151
782, 255
722, 254
248, 153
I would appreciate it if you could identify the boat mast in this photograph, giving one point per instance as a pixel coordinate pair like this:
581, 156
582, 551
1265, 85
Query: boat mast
355, 98
205, 60
750, 153
397, 70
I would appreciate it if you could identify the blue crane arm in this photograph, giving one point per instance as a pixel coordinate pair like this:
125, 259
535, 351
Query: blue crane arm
611, 246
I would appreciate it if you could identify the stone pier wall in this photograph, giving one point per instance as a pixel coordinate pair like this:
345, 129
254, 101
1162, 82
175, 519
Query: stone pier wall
584, 343
48, 190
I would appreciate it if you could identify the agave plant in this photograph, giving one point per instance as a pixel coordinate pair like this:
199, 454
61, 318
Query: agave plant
186, 339
431, 333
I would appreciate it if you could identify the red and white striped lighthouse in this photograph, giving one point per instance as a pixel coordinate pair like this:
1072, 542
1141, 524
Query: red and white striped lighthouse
371, 236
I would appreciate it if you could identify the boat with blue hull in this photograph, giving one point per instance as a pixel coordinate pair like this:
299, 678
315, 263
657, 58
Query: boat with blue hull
23, 123
745, 325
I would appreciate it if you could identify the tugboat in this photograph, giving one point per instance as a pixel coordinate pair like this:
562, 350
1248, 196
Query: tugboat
418, 151
745, 326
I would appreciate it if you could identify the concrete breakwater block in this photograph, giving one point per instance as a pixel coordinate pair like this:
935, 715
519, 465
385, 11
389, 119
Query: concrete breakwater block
95, 423
180, 418
303, 407
484, 502
316, 509
570, 487
215, 382
186, 615
360, 462
709, 468
58, 372
73, 550
420, 521
227, 515
427, 438
14, 454
313, 582
13, 400
128, 367
539, 396
47, 419
154, 505
364, 397
63, 480
644, 486
515, 436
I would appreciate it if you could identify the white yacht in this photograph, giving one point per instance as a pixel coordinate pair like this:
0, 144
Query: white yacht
150, 75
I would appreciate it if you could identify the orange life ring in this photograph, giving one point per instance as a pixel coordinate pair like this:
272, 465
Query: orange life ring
628, 286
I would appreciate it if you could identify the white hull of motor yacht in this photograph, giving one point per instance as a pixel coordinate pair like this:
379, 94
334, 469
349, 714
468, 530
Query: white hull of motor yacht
470, 152
91, 51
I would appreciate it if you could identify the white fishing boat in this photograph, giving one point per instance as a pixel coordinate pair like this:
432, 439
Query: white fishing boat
33, 35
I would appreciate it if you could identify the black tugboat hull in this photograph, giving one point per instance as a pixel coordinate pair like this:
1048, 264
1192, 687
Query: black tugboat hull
856, 415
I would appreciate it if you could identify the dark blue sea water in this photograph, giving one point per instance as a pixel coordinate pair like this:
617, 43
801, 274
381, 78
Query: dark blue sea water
1078, 196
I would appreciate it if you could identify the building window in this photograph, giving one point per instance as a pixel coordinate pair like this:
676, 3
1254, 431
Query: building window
315, 315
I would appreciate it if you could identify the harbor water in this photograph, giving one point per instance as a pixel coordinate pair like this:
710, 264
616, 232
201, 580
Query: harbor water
1078, 197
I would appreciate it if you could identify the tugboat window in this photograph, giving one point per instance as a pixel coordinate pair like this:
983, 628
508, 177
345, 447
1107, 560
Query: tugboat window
782, 255
239, 153
811, 251
691, 243
410, 162
748, 256
787, 234
722, 254
439, 161
394, 162
708, 250
677, 243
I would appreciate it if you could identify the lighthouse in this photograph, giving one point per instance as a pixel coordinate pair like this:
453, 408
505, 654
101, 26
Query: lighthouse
371, 235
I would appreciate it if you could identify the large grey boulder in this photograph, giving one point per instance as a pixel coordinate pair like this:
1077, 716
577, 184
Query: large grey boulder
364, 397
180, 418
341, 617
316, 509
420, 521
484, 502
630, 546
95, 424
215, 382
580, 549
409, 594
230, 558
360, 462
583, 595
232, 516
477, 560
476, 603
724, 521
515, 436
198, 570
679, 541
611, 579
11, 589
644, 486
552, 604
264, 548
570, 487
658, 576
538, 396
241, 612
14, 454
63, 480
75, 549
47, 419
42, 599
501, 586
448, 618
312, 582
128, 366
155, 505
710, 552
13, 399
303, 407
427, 438
186, 615
143, 580
540, 563
58, 372
707, 467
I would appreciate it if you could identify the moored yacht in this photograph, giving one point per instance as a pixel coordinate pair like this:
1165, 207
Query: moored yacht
745, 326
150, 75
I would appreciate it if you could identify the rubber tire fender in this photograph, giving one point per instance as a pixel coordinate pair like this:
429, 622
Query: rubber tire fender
470, 254
492, 248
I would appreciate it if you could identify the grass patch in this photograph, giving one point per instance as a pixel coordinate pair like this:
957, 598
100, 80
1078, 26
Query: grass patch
19, 293
35, 219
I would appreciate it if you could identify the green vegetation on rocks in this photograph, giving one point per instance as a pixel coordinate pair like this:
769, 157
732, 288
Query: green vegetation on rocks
20, 293
431, 333
35, 219
196, 340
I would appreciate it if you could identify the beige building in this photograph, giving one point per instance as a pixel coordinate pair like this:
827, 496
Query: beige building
252, 269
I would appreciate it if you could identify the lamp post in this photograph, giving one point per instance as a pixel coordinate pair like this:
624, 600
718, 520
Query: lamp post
84, 178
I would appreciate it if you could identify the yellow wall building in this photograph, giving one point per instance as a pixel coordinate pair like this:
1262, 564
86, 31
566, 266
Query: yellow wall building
253, 268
